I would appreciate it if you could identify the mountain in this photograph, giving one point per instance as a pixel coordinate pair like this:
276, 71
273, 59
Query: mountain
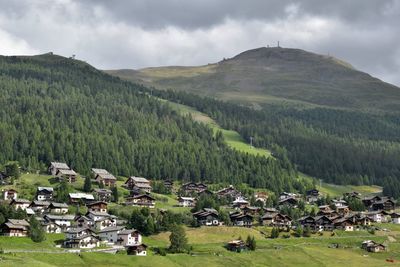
270, 75
60, 109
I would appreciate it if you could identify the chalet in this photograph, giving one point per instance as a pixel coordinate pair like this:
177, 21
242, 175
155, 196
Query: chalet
51, 227
240, 219
395, 218
39, 207
64, 221
286, 195
229, 192
129, 237
251, 210
191, 187
240, 203
375, 216
207, 216
339, 203
99, 206
10, 194
76, 198
102, 194
136, 250
44, 193
83, 221
312, 195
308, 221
343, 210
20, 203
57, 208
324, 223
67, 175
141, 183
360, 220
290, 201
236, 245
372, 246
80, 238
110, 234
56, 166
105, 222
344, 224
327, 211
386, 203
276, 220
15, 228
143, 200
104, 177
96, 216
186, 201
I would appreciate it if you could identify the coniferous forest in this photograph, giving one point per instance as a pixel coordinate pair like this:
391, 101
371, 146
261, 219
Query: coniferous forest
55, 108
340, 146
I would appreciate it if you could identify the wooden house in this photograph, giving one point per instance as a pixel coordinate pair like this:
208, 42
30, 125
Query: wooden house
102, 176
207, 216
56, 166
39, 207
13, 227
395, 218
44, 193
67, 175
290, 201
372, 246
276, 220
10, 194
20, 203
102, 194
64, 221
240, 203
136, 250
57, 208
110, 234
193, 188
236, 245
186, 201
76, 198
344, 224
241, 219
129, 237
169, 185
138, 182
143, 200
97, 206
312, 195
229, 192
80, 238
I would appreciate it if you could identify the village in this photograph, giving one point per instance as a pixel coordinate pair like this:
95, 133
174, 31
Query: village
98, 228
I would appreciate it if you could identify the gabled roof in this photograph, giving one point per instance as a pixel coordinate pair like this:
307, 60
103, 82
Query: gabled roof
58, 205
21, 201
40, 203
111, 229
106, 176
81, 195
99, 171
18, 222
141, 196
67, 172
186, 198
76, 230
60, 165
127, 231
139, 179
102, 191
42, 188
60, 217
96, 203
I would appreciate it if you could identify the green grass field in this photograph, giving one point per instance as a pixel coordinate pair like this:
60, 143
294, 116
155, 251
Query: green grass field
232, 138
208, 250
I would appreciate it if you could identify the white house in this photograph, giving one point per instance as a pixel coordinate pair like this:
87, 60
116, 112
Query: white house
80, 238
20, 203
63, 221
10, 194
110, 234
186, 201
129, 237
58, 208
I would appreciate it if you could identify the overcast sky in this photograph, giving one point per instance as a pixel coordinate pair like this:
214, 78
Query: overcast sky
141, 33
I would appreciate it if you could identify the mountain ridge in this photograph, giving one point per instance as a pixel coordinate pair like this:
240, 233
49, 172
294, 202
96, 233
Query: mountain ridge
265, 75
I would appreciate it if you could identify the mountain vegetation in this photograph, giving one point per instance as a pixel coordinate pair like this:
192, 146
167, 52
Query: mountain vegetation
64, 109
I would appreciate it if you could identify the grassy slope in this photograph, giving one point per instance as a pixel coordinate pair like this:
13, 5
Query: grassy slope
208, 250
232, 138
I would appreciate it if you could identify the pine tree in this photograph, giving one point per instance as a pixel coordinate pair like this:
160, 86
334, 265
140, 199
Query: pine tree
115, 194
251, 242
87, 186
178, 240
36, 232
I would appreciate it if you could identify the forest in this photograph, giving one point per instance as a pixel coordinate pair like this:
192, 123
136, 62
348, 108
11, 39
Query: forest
341, 146
59, 109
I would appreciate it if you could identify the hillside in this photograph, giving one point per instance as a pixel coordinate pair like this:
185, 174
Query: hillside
276, 75
64, 109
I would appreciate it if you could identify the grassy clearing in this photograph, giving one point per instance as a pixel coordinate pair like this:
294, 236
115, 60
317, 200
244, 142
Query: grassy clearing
232, 138
208, 250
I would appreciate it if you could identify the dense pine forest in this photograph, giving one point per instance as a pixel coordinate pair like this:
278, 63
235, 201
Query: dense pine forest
55, 108
340, 146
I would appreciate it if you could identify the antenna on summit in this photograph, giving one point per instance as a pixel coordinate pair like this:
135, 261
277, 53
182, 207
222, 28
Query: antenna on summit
278, 44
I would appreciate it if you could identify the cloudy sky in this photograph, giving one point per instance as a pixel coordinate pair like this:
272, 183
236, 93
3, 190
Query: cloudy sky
140, 33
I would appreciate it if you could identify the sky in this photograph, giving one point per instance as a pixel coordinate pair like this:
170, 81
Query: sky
142, 33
